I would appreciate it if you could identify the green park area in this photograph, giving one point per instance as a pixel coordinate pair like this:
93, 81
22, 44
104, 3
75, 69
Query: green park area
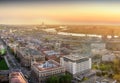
108, 69
2, 51
3, 65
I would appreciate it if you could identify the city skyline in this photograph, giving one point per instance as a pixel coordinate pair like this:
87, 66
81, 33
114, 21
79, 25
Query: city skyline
55, 12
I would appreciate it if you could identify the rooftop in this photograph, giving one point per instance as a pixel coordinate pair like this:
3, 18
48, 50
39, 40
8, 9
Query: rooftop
16, 77
29, 51
75, 57
51, 52
50, 64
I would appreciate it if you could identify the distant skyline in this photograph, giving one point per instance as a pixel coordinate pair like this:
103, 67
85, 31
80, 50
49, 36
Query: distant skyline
64, 12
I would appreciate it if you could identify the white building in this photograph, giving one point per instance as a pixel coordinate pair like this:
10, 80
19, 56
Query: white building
98, 48
76, 64
108, 57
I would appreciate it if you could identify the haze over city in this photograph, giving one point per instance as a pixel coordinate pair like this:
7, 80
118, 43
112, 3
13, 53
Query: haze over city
60, 12
59, 41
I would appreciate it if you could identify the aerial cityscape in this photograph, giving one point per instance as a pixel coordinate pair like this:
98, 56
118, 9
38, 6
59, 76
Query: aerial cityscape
57, 41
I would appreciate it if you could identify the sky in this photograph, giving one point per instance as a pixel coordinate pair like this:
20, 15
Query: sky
60, 12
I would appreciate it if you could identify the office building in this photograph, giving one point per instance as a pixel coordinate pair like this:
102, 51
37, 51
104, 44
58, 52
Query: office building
76, 64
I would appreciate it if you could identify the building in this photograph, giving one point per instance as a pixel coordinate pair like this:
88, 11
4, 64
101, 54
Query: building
13, 46
98, 48
113, 45
44, 70
51, 54
17, 77
76, 64
27, 55
109, 57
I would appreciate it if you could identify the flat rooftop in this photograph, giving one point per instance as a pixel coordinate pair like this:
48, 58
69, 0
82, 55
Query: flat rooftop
30, 51
75, 57
47, 65
51, 52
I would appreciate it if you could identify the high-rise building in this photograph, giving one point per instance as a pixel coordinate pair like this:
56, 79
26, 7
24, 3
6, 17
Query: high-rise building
76, 64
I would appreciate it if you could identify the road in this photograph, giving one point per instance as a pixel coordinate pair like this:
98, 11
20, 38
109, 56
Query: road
14, 64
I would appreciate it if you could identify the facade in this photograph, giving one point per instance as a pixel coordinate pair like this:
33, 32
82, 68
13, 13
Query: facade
113, 45
44, 70
13, 46
76, 64
17, 77
51, 54
98, 48
27, 55
108, 57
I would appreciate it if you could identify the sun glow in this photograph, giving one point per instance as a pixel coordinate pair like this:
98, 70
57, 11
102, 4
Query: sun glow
61, 13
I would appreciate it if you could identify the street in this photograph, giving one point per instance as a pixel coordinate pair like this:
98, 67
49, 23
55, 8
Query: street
14, 65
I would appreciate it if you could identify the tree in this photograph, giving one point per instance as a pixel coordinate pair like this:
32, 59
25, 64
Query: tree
46, 39
2, 52
117, 77
116, 65
61, 79
66, 78
53, 79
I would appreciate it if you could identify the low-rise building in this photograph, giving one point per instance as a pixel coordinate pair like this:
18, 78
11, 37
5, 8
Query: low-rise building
51, 54
108, 57
113, 45
13, 46
27, 55
43, 70
17, 77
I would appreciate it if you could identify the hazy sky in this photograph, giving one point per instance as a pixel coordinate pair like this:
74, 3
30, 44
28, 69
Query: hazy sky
60, 12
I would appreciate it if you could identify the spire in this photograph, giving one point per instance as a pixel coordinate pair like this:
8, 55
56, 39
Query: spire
42, 24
